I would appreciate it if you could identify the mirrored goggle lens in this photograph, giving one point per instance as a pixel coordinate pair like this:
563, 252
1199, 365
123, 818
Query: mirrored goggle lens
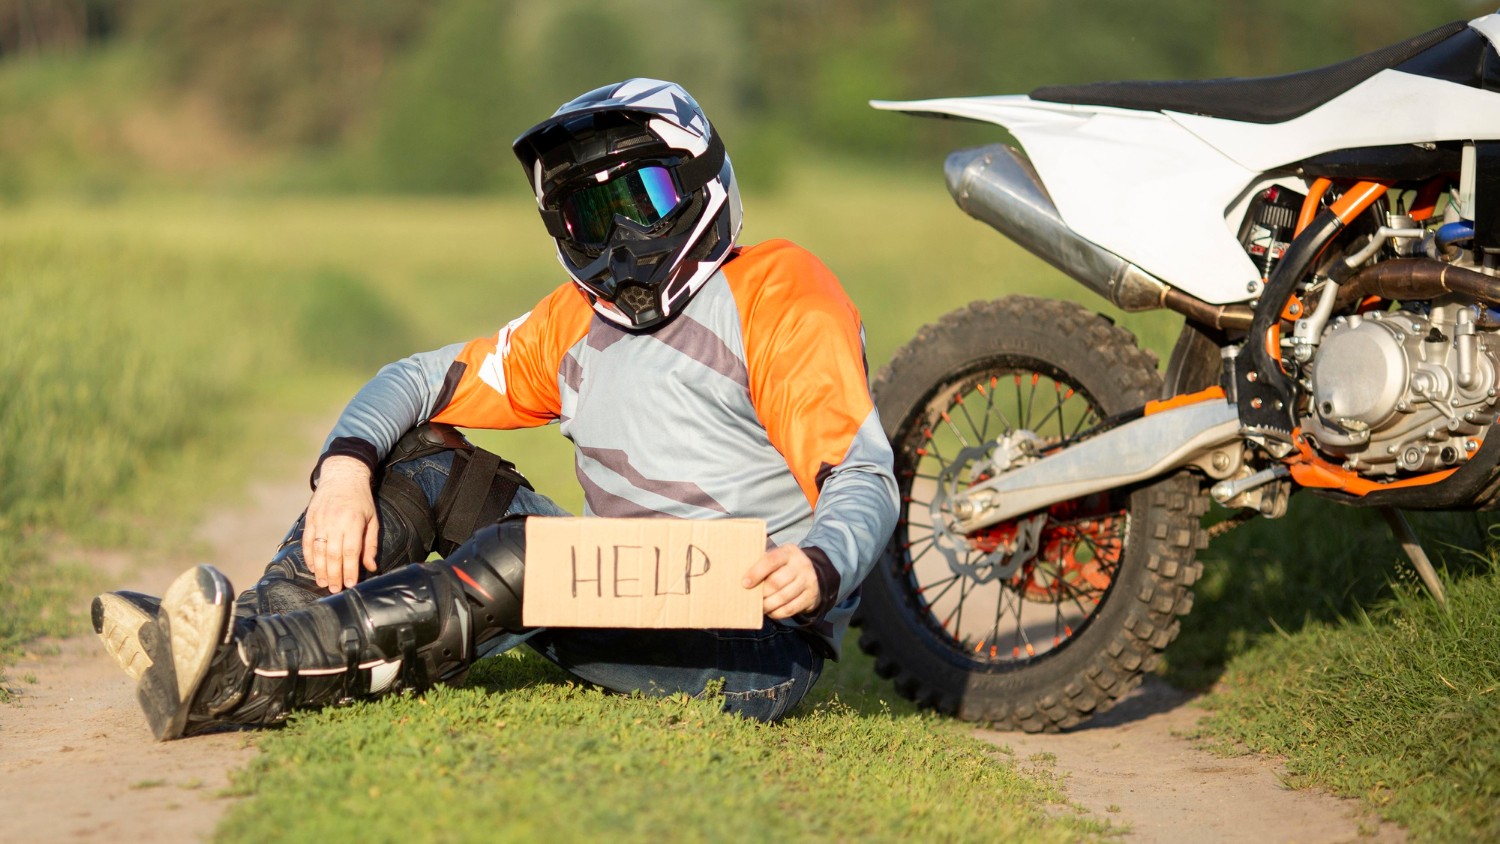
644, 195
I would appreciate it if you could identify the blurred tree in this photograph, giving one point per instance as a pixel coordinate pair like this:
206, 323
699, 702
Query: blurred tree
298, 73
486, 70
426, 95
441, 125
39, 26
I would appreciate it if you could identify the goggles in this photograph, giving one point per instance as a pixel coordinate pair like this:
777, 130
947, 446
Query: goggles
644, 195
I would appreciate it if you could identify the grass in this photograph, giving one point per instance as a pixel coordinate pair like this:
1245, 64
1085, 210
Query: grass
521, 754
1395, 705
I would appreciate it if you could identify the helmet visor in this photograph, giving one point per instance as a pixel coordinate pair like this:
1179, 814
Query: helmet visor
644, 195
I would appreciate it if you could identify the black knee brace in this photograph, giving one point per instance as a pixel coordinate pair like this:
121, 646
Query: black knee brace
479, 490
491, 567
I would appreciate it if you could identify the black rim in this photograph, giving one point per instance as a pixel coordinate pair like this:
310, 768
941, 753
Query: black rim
986, 615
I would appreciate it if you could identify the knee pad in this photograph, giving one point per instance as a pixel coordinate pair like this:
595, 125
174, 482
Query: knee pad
490, 568
479, 490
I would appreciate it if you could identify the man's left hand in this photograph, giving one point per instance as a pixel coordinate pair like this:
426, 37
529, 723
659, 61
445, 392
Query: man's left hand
787, 582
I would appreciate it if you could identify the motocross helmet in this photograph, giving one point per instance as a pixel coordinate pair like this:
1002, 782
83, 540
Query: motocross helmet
632, 182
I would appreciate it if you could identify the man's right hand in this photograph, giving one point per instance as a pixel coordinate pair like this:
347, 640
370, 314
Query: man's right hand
342, 528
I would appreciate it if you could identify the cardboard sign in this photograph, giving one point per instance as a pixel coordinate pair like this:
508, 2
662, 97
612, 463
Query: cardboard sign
642, 573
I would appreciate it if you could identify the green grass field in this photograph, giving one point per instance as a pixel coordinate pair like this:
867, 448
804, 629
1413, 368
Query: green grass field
153, 345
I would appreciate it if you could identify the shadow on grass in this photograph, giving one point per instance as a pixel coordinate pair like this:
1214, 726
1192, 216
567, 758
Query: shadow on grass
1321, 563
850, 684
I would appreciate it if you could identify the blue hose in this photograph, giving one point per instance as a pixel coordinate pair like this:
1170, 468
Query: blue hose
1455, 232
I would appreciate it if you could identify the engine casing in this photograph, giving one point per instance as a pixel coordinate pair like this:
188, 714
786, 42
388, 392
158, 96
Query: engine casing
1401, 391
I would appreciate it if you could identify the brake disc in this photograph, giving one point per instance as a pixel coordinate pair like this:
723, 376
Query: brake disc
965, 556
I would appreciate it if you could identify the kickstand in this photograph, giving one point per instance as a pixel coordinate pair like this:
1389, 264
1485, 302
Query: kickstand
1413, 548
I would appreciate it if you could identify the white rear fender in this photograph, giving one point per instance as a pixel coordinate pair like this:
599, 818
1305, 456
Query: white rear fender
1136, 183
1010, 111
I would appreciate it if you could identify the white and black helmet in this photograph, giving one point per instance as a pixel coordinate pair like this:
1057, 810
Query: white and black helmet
633, 183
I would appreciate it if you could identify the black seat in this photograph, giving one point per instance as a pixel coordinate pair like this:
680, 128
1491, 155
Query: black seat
1269, 99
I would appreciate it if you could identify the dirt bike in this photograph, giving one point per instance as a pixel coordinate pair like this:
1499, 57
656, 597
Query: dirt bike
1332, 239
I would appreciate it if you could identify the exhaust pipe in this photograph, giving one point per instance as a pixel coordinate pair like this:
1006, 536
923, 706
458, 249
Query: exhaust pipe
997, 186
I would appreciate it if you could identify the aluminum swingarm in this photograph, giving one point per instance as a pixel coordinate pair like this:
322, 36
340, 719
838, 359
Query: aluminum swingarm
1166, 436
1158, 442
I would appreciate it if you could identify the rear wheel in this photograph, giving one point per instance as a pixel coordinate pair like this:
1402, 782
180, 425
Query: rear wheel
1042, 621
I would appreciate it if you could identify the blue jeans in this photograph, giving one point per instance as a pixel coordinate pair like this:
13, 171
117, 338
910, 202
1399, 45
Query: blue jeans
765, 672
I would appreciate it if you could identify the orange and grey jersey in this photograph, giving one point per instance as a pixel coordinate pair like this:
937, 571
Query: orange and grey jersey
751, 403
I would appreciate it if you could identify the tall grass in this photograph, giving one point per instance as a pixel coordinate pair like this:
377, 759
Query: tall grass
124, 348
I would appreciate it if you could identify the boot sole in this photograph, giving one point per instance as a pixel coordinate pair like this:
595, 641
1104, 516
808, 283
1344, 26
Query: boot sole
193, 620
121, 620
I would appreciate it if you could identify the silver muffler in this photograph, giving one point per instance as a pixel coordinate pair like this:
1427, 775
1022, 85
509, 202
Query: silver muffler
996, 185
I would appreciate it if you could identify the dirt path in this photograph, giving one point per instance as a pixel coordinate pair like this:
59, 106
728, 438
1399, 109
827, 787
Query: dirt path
1134, 767
76, 760
77, 763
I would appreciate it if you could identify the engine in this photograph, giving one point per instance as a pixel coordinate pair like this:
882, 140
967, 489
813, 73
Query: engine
1402, 391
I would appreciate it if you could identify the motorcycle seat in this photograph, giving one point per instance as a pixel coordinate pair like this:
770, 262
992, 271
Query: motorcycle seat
1268, 99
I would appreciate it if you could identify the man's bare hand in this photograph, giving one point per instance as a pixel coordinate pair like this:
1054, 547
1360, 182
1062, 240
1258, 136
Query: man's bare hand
787, 581
342, 528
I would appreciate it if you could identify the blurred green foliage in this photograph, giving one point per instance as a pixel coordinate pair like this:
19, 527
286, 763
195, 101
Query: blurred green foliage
417, 96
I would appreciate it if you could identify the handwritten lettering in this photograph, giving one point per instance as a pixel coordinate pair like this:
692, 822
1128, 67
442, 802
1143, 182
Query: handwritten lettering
597, 579
637, 562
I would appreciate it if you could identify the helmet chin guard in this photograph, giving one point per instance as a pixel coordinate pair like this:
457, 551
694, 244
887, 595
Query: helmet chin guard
633, 184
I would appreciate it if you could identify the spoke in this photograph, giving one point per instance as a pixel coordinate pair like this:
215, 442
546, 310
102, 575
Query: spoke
1075, 594
1057, 622
962, 441
1087, 418
920, 555
932, 537
1037, 425
1099, 555
933, 600
1023, 407
991, 409
958, 610
1062, 432
999, 611
1015, 639
930, 449
972, 427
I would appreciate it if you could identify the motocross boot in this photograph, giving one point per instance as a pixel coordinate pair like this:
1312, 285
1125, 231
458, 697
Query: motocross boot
407, 630
120, 618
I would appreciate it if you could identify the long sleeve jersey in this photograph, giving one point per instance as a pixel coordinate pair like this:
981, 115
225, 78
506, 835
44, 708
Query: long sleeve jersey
751, 403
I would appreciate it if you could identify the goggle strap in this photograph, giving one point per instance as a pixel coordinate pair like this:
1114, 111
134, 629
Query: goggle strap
700, 170
553, 220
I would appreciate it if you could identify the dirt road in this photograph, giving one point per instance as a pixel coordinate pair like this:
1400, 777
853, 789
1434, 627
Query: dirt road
76, 760
1134, 766
77, 763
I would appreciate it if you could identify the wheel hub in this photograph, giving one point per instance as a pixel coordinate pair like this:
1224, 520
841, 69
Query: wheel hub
996, 554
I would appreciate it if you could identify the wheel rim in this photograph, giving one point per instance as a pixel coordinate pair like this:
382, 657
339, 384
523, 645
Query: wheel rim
1042, 605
